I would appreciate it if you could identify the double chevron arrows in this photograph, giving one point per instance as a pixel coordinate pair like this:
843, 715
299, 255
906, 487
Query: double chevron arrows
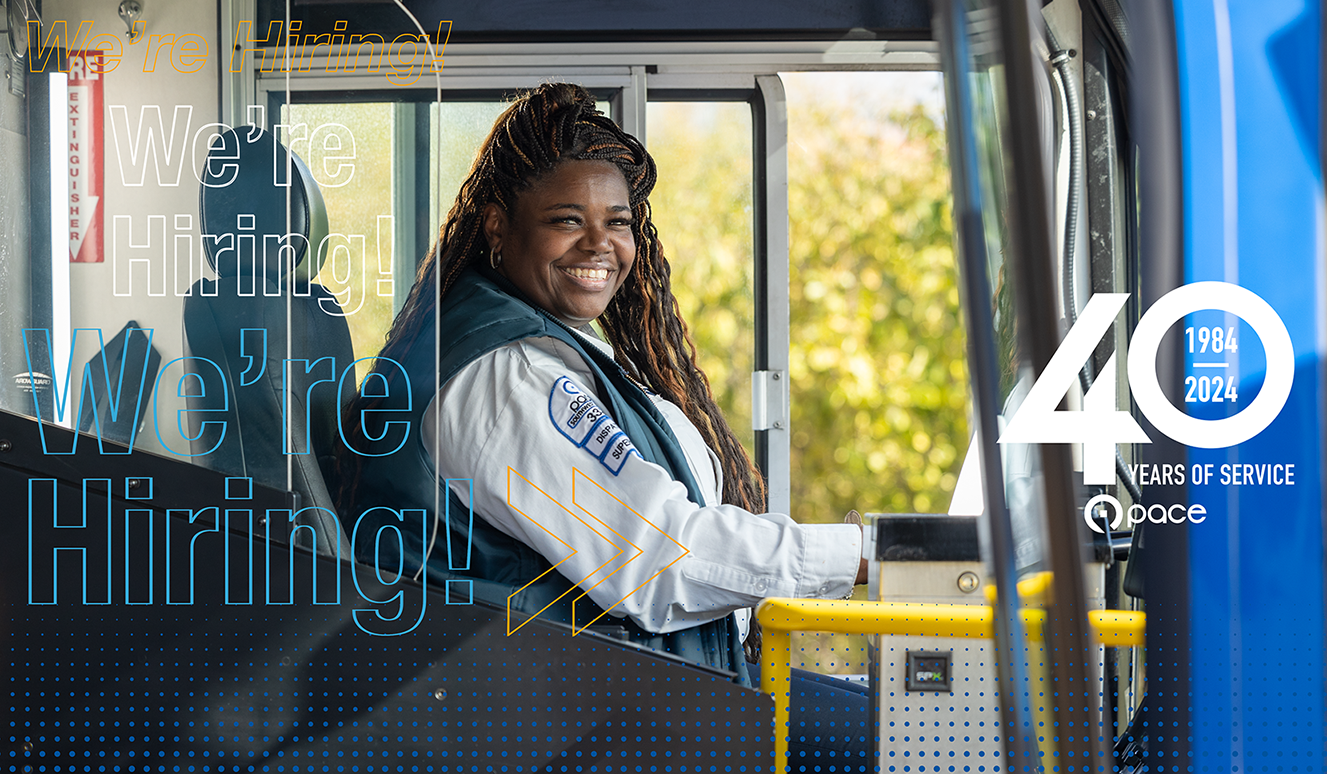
581, 483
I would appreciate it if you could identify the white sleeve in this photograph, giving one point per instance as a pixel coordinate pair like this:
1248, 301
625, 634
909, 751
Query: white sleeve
618, 526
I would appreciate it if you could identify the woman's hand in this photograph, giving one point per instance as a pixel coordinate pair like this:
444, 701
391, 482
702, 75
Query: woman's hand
751, 645
854, 517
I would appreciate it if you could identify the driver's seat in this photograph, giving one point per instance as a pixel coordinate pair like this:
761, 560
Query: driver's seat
238, 324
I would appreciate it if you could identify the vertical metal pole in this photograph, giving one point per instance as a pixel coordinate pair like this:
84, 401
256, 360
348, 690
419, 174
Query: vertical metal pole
405, 208
950, 27
770, 213
1069, 646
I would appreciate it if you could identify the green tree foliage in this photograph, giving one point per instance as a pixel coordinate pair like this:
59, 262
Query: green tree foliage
879, 378
879, 384
702, 208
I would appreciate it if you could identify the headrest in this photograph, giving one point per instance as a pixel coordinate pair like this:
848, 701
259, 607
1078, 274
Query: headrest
242, 208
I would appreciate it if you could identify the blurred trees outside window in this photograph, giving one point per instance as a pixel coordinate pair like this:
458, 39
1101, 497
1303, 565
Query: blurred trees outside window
701, 206
879, 388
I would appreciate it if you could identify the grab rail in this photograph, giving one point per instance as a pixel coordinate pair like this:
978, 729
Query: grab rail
779, 618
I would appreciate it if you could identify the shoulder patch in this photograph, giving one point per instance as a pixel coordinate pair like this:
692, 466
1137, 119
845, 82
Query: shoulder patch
578, 417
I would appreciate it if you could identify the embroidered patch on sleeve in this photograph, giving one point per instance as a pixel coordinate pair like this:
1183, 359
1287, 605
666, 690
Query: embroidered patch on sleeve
578, 417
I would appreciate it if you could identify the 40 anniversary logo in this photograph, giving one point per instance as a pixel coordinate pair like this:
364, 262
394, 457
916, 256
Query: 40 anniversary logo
1100, 425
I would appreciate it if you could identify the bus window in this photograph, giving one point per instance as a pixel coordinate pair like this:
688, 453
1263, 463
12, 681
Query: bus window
878, 376
879, 388
460, 128
350, 150
702, 208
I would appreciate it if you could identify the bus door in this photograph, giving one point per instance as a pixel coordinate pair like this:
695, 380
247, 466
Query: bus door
1197, 138
1008, 112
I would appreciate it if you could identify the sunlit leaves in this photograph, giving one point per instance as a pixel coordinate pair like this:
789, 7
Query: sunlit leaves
702, 208
879, 386
879, 405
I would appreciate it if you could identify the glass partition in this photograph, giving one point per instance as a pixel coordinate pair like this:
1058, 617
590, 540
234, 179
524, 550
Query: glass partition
1021, 462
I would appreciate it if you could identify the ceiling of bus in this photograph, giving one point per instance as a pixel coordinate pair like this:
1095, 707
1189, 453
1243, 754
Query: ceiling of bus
596, 20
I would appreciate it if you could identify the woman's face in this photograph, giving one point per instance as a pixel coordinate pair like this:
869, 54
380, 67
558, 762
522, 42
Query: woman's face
568, 243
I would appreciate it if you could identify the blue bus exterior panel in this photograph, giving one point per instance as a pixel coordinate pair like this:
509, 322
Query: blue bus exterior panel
1249, 104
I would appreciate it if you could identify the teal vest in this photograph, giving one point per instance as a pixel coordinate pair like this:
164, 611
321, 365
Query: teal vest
480, 314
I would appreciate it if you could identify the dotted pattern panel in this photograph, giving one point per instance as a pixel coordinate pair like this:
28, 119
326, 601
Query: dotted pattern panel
210, 687
213, 701
217, 687
926, 731
960, 730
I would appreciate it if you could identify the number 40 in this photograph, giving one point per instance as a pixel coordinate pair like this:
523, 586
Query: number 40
1101, 425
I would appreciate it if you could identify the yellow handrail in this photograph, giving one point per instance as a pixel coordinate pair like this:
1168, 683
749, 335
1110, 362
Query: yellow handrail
779, 618
1032, 590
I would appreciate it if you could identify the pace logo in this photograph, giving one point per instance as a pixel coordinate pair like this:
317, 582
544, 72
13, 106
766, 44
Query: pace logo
1156, 513
1101, 425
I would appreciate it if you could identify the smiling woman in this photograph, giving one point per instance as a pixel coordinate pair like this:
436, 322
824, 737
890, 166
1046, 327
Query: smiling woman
602, 468
568, 245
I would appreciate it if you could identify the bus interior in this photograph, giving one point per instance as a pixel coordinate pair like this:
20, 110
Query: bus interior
186, 307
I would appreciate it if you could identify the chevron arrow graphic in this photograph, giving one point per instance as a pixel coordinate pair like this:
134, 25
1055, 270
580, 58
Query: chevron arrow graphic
579, 479
512, 475
601, 529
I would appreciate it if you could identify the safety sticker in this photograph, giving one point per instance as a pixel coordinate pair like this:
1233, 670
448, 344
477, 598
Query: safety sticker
577, 416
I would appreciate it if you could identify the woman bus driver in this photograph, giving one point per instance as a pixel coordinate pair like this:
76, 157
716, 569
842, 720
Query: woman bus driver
551, 231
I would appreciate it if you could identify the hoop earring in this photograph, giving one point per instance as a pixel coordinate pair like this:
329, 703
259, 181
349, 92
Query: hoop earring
494, 258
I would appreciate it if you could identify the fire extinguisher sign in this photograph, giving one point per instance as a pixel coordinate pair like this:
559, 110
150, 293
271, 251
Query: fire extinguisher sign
85, 157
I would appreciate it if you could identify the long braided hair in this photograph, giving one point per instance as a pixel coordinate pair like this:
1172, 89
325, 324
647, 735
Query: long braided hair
558, 122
